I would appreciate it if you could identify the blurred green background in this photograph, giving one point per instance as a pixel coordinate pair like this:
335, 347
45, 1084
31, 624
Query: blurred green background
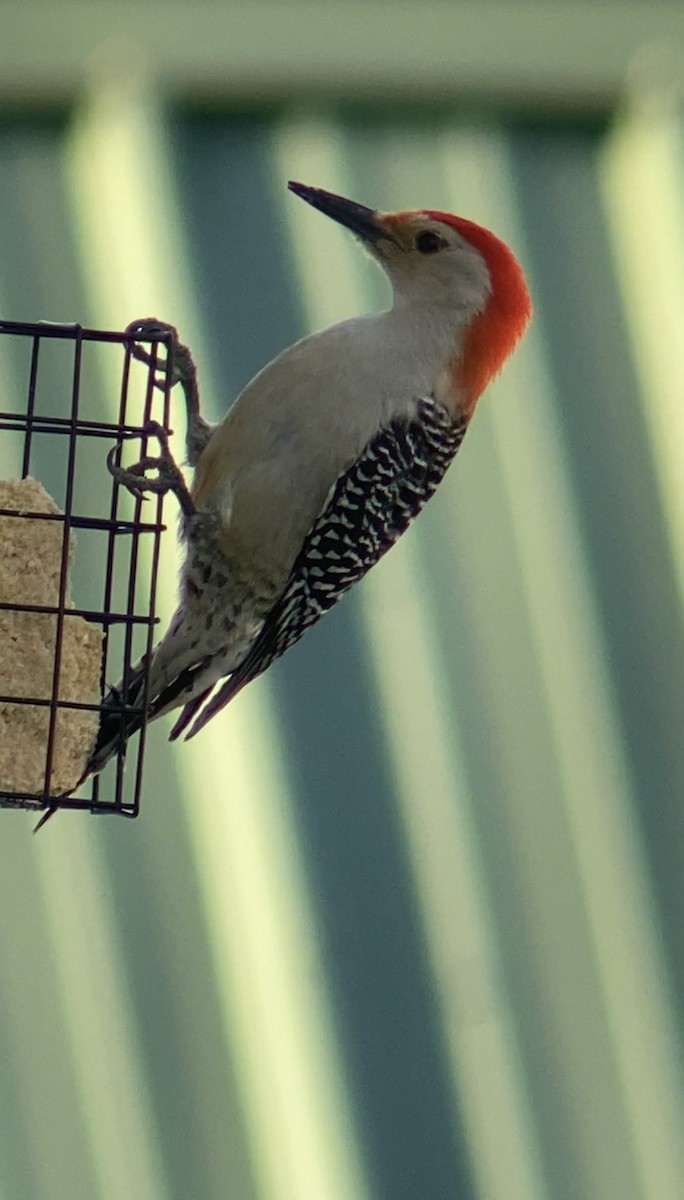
404, 922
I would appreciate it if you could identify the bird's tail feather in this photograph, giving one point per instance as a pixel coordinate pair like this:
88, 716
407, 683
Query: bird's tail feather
189, 710
122, 716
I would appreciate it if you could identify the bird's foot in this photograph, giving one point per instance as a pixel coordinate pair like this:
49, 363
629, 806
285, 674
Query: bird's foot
169, 477
177, 367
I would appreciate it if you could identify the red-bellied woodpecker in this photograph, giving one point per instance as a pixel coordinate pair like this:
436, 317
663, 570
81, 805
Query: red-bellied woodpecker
324, 458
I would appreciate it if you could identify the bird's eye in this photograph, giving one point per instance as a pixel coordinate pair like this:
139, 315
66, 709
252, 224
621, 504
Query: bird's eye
428, 242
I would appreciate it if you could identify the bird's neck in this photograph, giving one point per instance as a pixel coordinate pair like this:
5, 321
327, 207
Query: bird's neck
426, 341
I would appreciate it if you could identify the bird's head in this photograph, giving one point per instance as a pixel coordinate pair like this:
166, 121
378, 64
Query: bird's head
438, 260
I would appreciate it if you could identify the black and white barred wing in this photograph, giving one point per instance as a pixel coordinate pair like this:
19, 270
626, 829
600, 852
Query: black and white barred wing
369, 507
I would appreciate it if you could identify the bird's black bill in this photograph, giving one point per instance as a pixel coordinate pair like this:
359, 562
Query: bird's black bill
361, 220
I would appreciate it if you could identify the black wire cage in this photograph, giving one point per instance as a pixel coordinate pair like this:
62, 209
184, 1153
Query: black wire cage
59, 381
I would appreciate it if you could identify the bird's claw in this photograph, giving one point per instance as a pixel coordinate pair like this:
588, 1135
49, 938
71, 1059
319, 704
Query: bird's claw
169, 477
177, 367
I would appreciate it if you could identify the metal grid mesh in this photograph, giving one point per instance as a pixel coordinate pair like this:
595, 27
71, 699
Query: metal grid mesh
63, 378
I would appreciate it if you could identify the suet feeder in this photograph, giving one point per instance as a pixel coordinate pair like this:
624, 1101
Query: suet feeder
79, 557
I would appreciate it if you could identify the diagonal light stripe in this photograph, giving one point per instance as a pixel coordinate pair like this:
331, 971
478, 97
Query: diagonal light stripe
642, 173
311, 151
613, 882
106, 1058
115, 177
434, 799
268, 972
11, 442
268, 961
12, 398
429, 785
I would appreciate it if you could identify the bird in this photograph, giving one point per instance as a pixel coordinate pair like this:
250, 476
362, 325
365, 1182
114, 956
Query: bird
321, 463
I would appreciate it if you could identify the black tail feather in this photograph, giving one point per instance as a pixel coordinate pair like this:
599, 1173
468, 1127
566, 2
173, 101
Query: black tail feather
189, 710
121, 717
